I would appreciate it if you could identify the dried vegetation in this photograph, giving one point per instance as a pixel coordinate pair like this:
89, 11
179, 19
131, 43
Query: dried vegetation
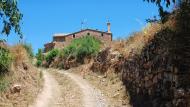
20, 85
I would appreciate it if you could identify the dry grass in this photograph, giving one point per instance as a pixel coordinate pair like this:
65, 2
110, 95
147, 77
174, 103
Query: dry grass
112, 85
19, 54
136, 42
22, 73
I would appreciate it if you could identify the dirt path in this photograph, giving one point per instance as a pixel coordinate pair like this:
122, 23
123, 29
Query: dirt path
92, 97
66, 89
49, 93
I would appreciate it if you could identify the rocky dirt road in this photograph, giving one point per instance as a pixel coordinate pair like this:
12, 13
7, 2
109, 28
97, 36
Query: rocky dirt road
66, 89
49, 93
92, 97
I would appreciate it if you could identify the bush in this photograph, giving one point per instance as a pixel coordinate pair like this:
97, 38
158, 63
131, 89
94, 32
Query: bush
70, 50
5, 60
61, 54
39, 57
82, 47
51, 55
39, 63
78, 49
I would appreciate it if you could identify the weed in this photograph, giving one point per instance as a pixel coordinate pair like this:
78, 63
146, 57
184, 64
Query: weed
4, 84
5, 60
41, 74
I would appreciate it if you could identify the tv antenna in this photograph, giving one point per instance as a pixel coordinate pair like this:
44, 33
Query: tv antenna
83, 24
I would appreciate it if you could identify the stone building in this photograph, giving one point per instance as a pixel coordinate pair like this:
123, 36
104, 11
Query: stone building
62, 40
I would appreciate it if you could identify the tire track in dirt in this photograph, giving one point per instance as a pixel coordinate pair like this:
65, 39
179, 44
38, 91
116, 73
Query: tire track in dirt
49, 93
92, 97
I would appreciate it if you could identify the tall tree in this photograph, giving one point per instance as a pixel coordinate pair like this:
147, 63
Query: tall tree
10, 17
160, 3
163, 13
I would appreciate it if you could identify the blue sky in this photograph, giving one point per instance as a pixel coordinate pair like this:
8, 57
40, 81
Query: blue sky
43, 18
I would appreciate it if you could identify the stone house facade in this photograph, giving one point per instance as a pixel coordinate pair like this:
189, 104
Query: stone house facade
62, 40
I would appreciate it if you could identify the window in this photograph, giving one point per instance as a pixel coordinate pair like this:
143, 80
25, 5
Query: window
73, 35
88, 33
102, 34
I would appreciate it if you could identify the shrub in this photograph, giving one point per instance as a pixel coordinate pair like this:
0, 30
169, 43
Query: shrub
39, 63
39, 57
51, 55
82, 47
5, 60
70, 50
61, 54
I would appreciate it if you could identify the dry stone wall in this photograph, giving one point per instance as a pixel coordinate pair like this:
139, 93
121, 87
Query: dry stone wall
107, 60
155, 78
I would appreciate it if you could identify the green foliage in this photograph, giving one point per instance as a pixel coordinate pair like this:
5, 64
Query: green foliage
163, 13
158, 2
51, 55
10, 16
81, 47
39, 63
39, 57
70, 50
29, 49
5, 60
61, 54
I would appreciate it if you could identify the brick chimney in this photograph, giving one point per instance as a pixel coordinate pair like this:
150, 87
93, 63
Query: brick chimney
109, 27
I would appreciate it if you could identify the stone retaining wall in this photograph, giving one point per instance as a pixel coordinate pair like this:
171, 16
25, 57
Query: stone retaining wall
155, 78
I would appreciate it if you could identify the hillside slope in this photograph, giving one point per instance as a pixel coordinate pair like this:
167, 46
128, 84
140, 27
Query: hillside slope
22, 82
159, 75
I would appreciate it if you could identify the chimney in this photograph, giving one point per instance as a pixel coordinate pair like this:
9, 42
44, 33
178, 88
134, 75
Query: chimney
109, 27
